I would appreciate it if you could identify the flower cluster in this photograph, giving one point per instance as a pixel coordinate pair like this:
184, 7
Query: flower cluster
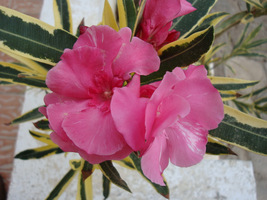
99, 108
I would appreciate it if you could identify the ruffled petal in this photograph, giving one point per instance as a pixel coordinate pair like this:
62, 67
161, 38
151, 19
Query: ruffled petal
164, 90
135, 56
155, 160
186, 142
74, 75
93, 131
96, 159
102, 37
205, 101
57, 112
128, 112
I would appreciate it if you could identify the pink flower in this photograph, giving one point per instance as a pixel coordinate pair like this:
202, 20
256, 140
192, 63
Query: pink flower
157, 21
83, 85
182, 109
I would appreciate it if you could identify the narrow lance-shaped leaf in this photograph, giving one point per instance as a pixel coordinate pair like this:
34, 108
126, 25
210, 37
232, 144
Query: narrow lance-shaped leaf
122, 14
62, 14
139, 15
28, 116
188, 22
108, 17
42, 137
128, 11
34, 66
255, 3
113, 175
84, 190
106, 187
62, 185
214, 147
229, 95
39, 152
16, 74
182, 53
42, 124
229, 22
226, 84
162, 190
242, 37
29, 37
209, 20
247, 18
242, 130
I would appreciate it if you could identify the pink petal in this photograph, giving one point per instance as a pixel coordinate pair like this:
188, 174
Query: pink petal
171, 109
186, 8
155, 160
96, 159
205, 101
102, 37
74, 74
186, 142
128, 112
164, 90
135, 56
65, 145
57, 112
93, 131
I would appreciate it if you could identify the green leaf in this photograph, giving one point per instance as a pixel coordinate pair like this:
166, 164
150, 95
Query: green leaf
228, 23
39, 152
255, 3
62, 14
42, 124
139, 15
214, 147
253, 34
207, 21
42, 137
162, 190
113, 175
10, 73
186, 23
108, 17
251, 55
240, 129
182, 53
29, 37
256, 43
106, 187
254, 93
81, 192
261, 100
226, 84
28, 116
242, 37
249, 17
130, 13
62, 185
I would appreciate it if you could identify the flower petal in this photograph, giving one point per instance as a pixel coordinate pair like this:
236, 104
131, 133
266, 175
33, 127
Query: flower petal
128, 112
135, 56
155, 160
102, 37
96, 159
205, 101
74, 74
93, 131
186, 142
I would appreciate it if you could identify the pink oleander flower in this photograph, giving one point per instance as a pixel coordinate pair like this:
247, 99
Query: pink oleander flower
157, 21
83, 84
182, 108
